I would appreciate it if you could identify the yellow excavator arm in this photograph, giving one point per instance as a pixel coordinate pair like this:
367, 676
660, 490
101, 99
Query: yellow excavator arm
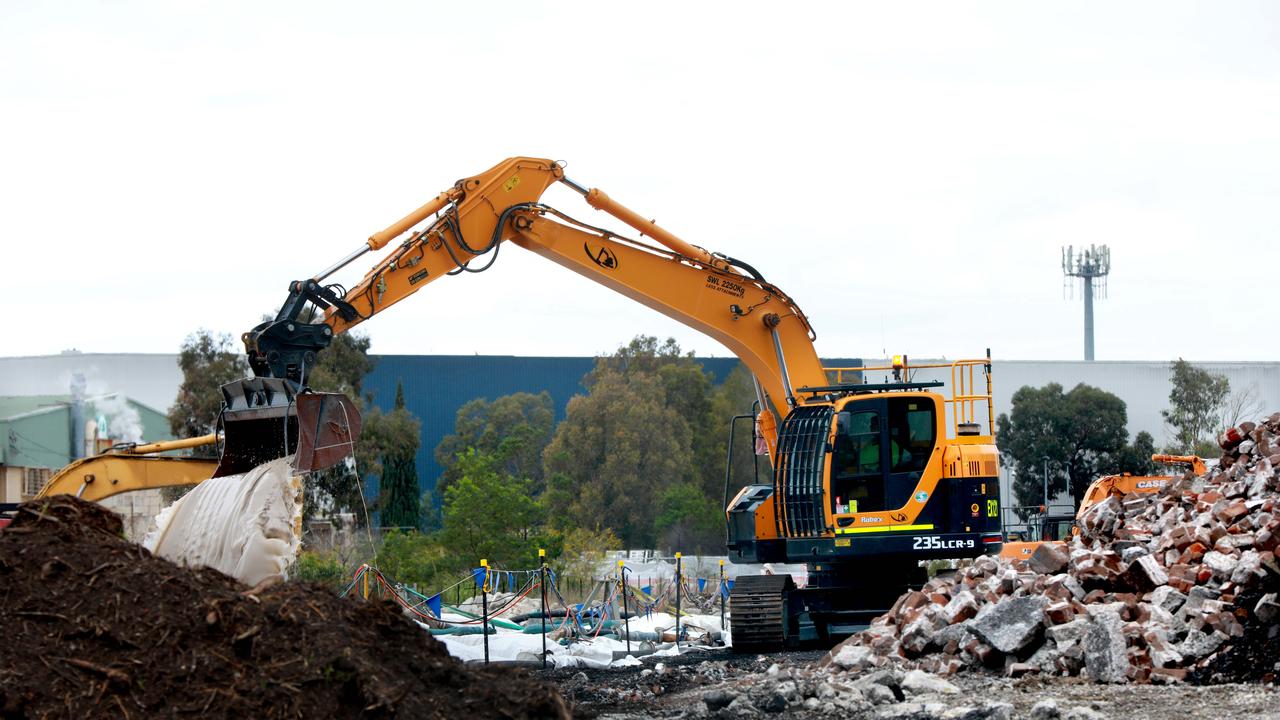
465, 225
132, 467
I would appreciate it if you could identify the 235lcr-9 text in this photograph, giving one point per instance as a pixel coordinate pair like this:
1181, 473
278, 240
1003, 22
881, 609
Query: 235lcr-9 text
933, 542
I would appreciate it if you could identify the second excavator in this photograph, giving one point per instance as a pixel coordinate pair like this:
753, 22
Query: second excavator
868, 481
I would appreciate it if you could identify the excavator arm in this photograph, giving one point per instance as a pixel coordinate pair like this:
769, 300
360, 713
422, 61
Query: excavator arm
465, 227
132, 467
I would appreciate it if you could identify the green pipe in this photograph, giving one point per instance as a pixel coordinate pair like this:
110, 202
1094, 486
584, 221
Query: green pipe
460, 630
496, 622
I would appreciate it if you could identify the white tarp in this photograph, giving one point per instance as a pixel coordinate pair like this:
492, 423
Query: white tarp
598, 652
241, 525
651, 571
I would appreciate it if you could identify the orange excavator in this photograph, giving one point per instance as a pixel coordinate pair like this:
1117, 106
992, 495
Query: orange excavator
1043, 527
868, 478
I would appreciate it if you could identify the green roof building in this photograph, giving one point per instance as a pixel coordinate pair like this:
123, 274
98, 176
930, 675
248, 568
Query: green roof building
38, 435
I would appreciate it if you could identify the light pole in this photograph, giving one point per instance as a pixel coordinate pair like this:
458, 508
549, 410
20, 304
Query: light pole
1046, 482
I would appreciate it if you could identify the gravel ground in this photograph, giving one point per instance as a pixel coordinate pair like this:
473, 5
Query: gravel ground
676, 687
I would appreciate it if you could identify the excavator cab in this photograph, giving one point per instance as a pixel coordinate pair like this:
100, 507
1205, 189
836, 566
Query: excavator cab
266, 418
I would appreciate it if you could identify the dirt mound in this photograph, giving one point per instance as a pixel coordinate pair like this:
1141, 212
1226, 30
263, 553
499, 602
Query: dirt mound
96, 625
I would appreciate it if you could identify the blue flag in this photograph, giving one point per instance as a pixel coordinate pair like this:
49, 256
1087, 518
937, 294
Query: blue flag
702, 584
647, 589
729, 583
478, 574
433, 603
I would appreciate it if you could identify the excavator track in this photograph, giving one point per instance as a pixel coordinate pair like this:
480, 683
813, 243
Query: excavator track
758, 606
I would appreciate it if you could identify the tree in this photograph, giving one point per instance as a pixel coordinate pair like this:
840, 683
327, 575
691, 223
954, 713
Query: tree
1195, 407
1078, 432
1134, 459
208, 362
399, 484
513, 429
488, 514
689, 521
616, 451
736, 396
687, 389
320, 567
341, 368
411, 557
650, 436
1239, 406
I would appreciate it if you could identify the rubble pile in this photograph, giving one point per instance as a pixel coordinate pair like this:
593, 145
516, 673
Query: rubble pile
1156, 587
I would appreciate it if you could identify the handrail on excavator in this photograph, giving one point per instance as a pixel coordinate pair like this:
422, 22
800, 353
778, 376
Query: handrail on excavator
964, 393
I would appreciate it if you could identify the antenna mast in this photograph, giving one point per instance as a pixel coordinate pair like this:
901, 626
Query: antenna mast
1092, 263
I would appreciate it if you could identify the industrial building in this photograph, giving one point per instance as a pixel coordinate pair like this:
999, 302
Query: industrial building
39, 434
437, 385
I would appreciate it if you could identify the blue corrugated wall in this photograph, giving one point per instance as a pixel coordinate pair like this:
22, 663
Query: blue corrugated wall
435, 386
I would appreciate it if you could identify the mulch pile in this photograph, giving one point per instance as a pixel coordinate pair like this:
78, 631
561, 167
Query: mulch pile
95, 625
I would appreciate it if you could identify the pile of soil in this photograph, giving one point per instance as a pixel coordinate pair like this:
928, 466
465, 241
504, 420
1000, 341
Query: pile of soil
94, 624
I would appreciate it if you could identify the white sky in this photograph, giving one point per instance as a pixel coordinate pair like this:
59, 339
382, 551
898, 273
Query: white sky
906, 171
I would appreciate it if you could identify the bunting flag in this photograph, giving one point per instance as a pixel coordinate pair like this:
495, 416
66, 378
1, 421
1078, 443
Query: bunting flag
478, 574
724, 590
647, 589
433, 603
702, 584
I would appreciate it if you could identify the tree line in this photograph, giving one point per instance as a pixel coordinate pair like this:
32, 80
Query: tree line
1068, 439
638, 460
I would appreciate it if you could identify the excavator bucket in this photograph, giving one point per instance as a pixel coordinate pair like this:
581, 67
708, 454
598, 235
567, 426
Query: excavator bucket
328, 425
265, 418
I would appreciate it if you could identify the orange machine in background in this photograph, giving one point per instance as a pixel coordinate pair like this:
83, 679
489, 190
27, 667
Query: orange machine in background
1042, 527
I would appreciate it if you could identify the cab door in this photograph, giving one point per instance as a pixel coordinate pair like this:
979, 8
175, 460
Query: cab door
882, 445
911, 433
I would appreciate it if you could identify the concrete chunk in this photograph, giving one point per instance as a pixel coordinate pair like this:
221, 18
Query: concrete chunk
1167, 598
1145, 573
1104, 648
919, 682
852, 656
963, 605
1267, 609
1199, 644
1068, 633
1049, 558
1013, 624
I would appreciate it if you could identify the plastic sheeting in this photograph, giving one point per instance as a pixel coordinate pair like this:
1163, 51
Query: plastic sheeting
240, 525
702, 566
598, 652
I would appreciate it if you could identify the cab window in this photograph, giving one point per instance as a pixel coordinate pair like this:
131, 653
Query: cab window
912, 433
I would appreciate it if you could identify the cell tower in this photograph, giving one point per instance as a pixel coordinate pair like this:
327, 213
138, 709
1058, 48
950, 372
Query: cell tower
1093, 263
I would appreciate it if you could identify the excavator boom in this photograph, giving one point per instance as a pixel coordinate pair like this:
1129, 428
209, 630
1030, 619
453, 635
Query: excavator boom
466, 224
